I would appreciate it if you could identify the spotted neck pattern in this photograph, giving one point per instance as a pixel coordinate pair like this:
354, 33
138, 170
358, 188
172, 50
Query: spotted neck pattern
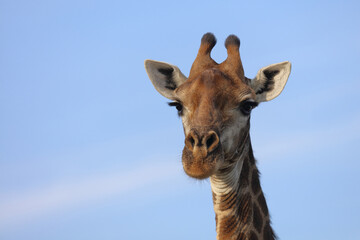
241, 211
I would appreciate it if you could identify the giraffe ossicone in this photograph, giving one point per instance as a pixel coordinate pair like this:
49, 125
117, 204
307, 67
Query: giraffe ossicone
215, 103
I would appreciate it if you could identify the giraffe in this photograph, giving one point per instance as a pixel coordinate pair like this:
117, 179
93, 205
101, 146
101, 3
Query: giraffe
215, 103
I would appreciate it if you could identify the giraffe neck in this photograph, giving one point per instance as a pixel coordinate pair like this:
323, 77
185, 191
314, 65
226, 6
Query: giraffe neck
240, 208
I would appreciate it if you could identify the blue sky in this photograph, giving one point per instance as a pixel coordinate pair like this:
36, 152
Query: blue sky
89, 149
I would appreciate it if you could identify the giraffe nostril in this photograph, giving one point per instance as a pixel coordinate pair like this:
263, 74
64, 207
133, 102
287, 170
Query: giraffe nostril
206, 143
210, 141
192, 141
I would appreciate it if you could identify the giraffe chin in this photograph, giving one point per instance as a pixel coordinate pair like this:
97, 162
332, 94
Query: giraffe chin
202, 167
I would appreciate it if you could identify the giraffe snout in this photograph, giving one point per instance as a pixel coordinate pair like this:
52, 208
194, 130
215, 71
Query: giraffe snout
202, 143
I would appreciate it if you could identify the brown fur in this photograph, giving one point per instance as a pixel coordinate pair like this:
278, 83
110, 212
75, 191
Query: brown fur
210, 101
209, 96
242, 213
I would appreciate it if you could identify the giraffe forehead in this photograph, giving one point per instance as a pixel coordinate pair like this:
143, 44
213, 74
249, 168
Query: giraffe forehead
214, 87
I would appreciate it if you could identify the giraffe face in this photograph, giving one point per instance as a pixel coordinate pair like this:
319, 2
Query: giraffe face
215, 102
215, 111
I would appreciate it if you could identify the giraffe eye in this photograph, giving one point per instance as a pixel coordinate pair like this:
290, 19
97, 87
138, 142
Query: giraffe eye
246, 106
178, 106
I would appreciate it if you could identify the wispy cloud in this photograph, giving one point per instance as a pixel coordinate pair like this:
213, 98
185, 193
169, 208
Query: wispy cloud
19, 208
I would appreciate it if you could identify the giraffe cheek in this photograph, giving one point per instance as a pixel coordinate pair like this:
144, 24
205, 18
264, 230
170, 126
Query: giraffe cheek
233, 135
227, 139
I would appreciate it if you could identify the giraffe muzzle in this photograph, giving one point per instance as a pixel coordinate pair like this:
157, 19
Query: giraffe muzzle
201, 153
202, 143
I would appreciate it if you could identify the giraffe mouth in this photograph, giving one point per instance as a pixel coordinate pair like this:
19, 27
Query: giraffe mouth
202, 166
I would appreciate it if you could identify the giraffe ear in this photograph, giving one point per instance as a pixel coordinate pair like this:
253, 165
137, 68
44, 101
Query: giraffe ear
164, 76
270, 81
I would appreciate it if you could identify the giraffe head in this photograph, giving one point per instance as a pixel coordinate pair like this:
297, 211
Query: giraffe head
215, 103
